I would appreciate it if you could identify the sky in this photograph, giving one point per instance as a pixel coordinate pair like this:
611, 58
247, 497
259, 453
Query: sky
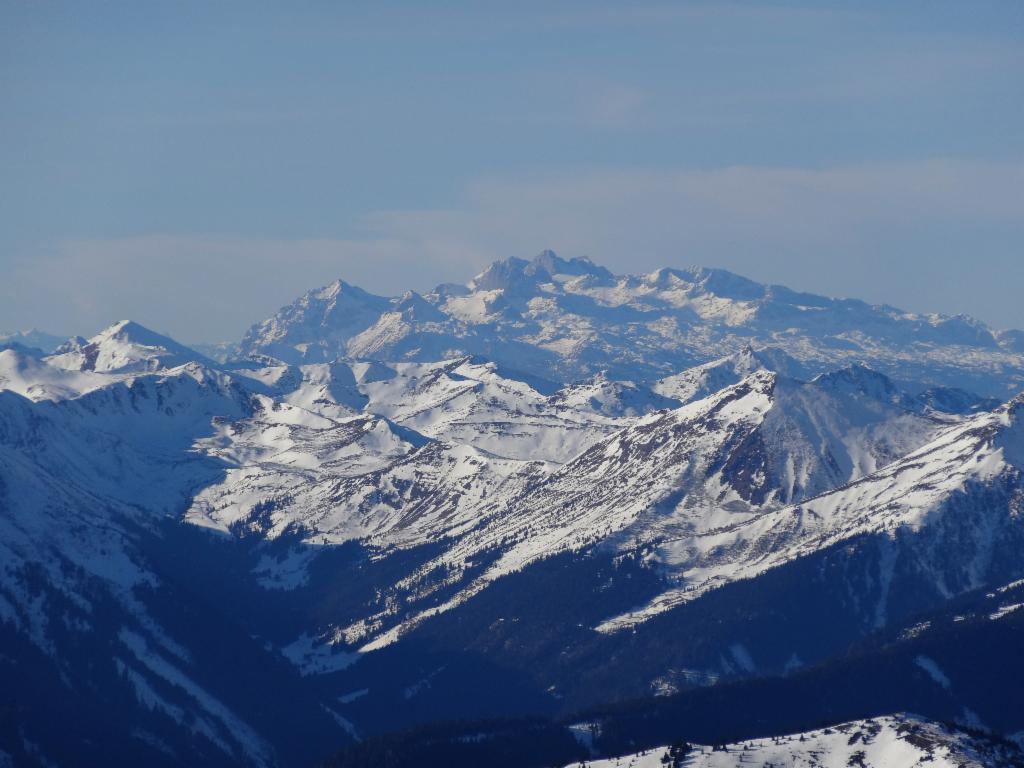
194, 166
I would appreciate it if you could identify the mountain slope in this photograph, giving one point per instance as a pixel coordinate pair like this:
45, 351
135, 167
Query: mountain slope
88, 622
676, 476
29, 376
951, 507
898, 741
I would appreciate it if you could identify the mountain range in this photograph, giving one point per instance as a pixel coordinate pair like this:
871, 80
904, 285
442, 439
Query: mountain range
565, 320
550, 496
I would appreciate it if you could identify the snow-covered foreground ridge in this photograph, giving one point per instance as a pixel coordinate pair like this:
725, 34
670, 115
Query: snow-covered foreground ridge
703, 491
899, 741
966, 483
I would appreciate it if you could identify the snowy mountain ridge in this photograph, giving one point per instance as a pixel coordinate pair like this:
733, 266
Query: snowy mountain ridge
896, 741
672, 481
966, 483
568, 320
397, 455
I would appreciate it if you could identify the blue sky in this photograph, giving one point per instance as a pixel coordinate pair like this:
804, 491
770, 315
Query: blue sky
195, 165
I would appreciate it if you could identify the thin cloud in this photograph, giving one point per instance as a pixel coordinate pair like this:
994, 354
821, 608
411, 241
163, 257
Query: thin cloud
944, 233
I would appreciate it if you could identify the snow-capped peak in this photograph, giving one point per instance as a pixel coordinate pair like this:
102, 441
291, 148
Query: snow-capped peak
705, 280
860, 379
316, 326
553, 265
566, 319
125, 346
412, 306
333, 290
504, 275
703, 380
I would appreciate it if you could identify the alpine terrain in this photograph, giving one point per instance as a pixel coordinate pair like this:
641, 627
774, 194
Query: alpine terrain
552, 516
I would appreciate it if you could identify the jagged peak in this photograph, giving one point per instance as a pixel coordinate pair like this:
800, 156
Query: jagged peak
513, 272
340, 288
129, 330
448, 290
712, 280
761, 381
134, 333
748, 359
339, 310
123, 325
411, 301
125, 346
500, 275
663, 277
753, 390
73, 344
855, 372
547, 256
552, 264
331, 290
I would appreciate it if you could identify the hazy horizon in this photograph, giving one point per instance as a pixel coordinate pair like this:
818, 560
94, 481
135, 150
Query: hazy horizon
167, 332
196, 167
